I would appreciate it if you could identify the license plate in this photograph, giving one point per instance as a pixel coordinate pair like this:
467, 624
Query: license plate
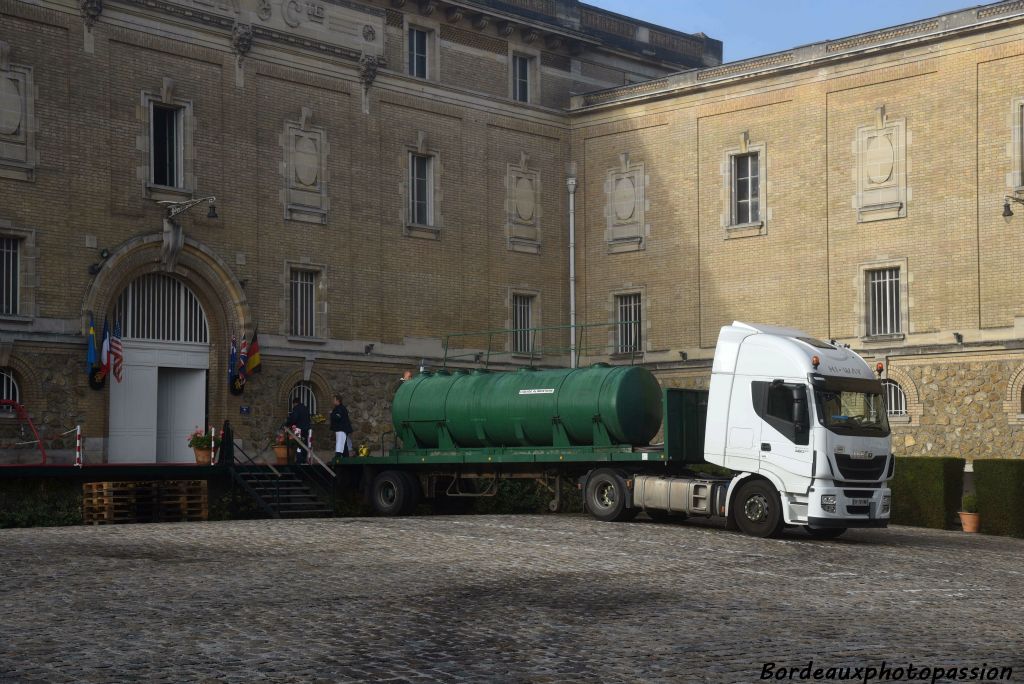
860, 502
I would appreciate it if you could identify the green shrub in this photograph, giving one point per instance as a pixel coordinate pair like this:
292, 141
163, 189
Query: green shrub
999, 484
926, 491
40, 503
969, 503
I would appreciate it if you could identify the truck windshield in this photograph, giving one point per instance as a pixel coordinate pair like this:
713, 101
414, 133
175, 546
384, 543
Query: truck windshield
851, 409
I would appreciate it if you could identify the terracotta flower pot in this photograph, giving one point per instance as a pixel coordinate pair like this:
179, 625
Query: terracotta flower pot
969, 521
203, 456
281, 454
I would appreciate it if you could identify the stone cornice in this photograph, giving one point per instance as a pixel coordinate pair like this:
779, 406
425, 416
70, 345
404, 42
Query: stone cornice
810, 56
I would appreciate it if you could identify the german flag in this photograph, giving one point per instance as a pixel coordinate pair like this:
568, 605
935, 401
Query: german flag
254, 363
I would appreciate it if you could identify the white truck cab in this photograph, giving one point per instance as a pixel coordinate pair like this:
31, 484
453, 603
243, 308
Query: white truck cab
803, 424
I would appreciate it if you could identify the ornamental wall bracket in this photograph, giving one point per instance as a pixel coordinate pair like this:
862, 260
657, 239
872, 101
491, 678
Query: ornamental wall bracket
241, 39
368, 65
91, 11
173, 234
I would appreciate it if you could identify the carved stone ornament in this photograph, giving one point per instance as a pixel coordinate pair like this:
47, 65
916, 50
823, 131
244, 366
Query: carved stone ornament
427, 7
369, 34
553, 42
398, 4
241, 38
264, 9
173, 241
505, 28
91, 10
480, 22
454, 14
368, 65
530, 35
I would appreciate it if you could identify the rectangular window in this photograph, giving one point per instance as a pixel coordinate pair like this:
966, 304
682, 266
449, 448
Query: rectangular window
166, 144
421, 189
417, 53
627, 324
303, 286
520, 78
884, 302
522, 320
745, 189
9, 271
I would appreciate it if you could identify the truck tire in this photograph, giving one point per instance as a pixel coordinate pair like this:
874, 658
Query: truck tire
606, 497
825, 532
390, 493
757, 509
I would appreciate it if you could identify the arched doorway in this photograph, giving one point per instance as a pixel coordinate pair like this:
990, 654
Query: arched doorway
162, 395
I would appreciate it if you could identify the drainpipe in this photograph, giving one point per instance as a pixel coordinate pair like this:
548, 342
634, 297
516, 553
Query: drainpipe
570, 184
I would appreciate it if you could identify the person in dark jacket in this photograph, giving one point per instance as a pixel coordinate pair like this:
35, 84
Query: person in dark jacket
299, 417
341, 425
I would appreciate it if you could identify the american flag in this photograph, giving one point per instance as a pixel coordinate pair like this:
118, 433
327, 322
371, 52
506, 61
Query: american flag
116, 352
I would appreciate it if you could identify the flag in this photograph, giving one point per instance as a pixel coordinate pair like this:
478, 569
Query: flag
243, 359
116, 351
105, 350
90, 356
232, 359
254, 364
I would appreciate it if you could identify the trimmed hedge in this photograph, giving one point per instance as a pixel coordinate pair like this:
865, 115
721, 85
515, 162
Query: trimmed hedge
926, 491
999, 484
40, 503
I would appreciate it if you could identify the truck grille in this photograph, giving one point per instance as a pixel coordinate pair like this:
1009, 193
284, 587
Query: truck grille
861, 469
857, 510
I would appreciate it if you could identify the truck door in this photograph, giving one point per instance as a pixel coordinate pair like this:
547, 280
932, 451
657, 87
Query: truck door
785, 427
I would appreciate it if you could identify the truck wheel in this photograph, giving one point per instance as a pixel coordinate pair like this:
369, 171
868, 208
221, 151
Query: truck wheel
757, 509
825, 532
414, 493
606, 497
390, 493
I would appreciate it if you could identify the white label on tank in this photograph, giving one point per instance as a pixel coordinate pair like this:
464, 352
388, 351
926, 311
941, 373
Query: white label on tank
538, 391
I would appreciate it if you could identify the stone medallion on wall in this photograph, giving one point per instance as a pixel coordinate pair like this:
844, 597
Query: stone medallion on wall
305, 167
625, 206
17, 130
523, 209
880, 169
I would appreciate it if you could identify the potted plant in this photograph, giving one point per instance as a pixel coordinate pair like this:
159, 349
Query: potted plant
283, 444
969, 512
203, 444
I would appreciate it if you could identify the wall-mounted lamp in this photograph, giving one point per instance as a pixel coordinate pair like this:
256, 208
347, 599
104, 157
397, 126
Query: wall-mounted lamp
368, 349
682, 356
958, 337
478, 357
98, 266
1007, 212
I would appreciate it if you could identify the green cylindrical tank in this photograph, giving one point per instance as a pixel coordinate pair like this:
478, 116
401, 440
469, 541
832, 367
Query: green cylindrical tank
521, 408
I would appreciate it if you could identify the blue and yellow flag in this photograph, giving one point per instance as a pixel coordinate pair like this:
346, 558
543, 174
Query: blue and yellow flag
90, 355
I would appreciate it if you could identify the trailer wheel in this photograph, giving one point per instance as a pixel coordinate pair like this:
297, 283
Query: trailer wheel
757, 509
825, 532
606, 497
390, 493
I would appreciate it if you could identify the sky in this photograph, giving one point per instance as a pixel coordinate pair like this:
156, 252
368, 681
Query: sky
756, 27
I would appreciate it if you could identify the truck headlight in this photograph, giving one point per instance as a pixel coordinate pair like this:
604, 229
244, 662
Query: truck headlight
828, 503
886, 500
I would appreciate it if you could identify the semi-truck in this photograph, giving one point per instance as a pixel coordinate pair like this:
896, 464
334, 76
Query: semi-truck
797, 425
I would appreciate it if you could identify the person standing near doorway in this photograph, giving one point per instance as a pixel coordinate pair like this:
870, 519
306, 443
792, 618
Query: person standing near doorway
299, 417
342, 427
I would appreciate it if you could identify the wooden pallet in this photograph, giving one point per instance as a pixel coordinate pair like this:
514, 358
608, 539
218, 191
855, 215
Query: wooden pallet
105, 503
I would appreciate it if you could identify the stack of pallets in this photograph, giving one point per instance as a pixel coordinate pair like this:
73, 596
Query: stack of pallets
105, 503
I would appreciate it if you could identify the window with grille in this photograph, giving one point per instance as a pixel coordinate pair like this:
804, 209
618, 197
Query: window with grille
8, 389
745, 189
895, 399
166, 145
157, 306
520, 78
627, 323
522, 320
884, 301
303, 391
303, 294
9, 275
417, 53
421, 189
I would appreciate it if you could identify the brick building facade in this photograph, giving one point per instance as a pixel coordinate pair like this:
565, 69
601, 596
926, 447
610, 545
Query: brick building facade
389, 172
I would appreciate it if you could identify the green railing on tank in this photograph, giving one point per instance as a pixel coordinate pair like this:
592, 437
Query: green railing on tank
533, 353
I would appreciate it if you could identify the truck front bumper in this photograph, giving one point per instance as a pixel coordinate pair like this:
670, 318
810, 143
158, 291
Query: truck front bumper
848, 506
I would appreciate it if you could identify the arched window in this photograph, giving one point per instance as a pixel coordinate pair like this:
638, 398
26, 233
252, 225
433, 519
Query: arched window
895, 399
157, 306
9, 389
304, 392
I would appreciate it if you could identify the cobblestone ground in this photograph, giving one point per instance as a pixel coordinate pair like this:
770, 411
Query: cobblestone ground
496, 599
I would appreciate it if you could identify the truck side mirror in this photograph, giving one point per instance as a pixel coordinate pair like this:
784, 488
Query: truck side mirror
799, 405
